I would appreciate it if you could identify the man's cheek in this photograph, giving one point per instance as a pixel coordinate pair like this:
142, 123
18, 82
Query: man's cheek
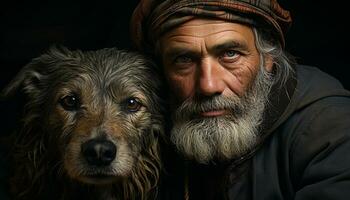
180, 89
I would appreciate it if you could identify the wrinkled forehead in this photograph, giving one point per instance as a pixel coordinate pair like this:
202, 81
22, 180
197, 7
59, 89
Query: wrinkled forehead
208, 33
201, 25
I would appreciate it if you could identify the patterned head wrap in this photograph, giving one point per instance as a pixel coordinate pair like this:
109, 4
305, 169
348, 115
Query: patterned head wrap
152, 18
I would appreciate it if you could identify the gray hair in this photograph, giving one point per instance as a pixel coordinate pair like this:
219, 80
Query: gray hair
282, 61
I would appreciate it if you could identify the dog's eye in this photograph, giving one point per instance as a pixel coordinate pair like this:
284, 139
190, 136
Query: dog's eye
70, 102
132, 105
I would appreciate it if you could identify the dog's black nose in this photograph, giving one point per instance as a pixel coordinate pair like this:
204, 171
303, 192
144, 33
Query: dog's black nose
99, 152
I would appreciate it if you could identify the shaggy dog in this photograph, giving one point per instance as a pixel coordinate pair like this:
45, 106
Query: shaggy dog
91, 126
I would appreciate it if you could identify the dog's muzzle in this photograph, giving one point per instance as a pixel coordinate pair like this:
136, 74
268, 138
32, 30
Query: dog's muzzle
99, 152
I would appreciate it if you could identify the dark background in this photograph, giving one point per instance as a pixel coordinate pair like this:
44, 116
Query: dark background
317, 37
27, 28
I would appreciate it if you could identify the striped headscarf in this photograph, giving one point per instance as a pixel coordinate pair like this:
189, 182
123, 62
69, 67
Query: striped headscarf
152, 18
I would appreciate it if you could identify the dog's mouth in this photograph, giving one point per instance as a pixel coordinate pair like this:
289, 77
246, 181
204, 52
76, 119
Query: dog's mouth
99, 179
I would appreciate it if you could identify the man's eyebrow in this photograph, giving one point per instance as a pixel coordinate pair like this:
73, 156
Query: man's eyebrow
229, 45
176, 51
218, 48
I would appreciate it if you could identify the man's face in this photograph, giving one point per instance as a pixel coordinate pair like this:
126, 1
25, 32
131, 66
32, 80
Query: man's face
211, 67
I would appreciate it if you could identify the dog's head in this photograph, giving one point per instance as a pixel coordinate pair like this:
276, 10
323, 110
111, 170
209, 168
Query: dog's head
98, 113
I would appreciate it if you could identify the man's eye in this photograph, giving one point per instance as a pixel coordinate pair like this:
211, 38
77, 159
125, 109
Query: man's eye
70, 102
132, 104
183, 60
230, 54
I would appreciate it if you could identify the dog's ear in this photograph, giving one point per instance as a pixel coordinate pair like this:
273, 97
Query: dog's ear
27, 79
30, 77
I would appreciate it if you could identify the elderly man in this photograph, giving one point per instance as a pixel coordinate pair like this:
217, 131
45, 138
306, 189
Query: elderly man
247, 122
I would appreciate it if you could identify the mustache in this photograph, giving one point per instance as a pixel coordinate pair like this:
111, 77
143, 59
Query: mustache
194, 106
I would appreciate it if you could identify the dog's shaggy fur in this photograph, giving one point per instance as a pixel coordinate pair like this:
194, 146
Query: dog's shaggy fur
74, 97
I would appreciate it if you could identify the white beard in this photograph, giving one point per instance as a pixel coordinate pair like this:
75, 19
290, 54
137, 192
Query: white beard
224, 137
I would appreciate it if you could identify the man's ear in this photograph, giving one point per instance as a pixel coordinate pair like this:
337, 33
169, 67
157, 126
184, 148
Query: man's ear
27, 80
268, 63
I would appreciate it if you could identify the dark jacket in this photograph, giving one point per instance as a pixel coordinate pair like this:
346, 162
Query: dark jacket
305, 155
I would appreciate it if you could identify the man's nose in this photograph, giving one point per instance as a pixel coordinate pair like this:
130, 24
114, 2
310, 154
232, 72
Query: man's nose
210, 78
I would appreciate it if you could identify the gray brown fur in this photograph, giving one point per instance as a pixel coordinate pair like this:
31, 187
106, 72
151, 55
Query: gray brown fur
48, 163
